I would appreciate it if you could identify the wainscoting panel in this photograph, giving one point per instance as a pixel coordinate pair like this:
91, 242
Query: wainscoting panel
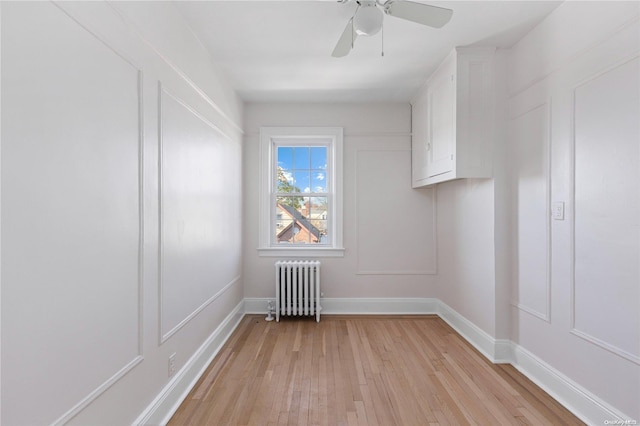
606, 290
200, 218
529, 161
408, 239
71, 215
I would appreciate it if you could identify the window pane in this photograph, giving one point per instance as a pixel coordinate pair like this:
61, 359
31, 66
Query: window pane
319, 157
285, 215
294, 202
301, 220
301, 158
285, 157
318, 208
318, 217
318, 181
282, 230
285, 181
302, 180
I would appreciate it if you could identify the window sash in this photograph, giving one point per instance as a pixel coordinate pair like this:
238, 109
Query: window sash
273, 228
296, 142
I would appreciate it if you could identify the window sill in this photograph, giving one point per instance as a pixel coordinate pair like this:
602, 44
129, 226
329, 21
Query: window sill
301, 252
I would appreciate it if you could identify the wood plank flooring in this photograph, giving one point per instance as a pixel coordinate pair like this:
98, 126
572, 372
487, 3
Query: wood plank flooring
355, 370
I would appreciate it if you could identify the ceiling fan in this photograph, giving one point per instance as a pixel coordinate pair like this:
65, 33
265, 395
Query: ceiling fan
367, 19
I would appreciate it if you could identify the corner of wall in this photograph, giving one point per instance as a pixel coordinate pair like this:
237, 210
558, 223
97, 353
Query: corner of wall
502, 200
165, 404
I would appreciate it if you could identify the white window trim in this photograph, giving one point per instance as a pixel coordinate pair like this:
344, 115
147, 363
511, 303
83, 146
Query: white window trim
266, 212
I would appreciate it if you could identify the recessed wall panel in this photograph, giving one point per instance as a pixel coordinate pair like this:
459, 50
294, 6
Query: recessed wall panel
607, 210
529, 163
390, 242
70, 214
200, 214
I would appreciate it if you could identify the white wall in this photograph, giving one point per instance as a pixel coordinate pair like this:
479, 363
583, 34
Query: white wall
574, 138
466, 262
121, 208
380, 208
472, 233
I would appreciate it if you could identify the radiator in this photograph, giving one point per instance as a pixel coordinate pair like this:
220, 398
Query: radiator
298, 288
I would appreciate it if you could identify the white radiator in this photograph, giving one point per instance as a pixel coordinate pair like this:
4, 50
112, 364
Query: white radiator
298, 288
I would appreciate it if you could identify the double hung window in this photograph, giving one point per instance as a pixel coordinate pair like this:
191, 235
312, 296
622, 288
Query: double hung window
301, 197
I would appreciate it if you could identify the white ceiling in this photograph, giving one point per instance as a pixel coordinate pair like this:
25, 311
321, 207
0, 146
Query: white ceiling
280, 51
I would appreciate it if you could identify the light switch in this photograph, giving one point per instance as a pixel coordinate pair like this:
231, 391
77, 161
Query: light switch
557, 211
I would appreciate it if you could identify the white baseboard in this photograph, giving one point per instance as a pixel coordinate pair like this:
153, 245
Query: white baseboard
359, 306
257, 305
161, 409
585, 405
496, 351
379, 306
503, 352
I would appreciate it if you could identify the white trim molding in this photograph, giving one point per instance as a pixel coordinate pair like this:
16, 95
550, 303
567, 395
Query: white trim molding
379, 306
605, 345
84, 402
479, 339
574, 330
165, 404
178, 70
301, 252
138, 358
163, 335
397, 272
359, 306
199, 309
270, 137
585, 405
545, 315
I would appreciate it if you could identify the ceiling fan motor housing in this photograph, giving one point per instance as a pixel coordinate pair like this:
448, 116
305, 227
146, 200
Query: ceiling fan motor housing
368, 19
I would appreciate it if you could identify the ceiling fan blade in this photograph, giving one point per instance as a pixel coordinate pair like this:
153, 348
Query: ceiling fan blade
345, 43
424, 14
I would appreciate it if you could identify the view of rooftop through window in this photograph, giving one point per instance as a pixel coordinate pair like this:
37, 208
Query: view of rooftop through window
302, 197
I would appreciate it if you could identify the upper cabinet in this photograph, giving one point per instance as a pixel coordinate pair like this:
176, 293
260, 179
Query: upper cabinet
452, 119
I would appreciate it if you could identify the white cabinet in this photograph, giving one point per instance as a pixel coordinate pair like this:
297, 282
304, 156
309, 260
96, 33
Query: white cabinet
418, 139
452, 119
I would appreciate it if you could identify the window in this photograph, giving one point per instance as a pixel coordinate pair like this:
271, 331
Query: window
301, 191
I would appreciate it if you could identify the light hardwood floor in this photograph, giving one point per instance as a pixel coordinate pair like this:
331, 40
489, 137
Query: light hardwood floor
354, 370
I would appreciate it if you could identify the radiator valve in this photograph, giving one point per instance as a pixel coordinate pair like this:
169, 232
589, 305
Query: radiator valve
269, 311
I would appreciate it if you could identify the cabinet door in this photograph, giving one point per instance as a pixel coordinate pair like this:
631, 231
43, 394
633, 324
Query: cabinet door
441, 123
419, 140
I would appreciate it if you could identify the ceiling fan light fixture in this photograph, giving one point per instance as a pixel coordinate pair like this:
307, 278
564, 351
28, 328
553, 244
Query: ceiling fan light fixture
368, 19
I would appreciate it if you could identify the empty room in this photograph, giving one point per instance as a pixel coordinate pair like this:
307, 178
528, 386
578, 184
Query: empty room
354, 212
